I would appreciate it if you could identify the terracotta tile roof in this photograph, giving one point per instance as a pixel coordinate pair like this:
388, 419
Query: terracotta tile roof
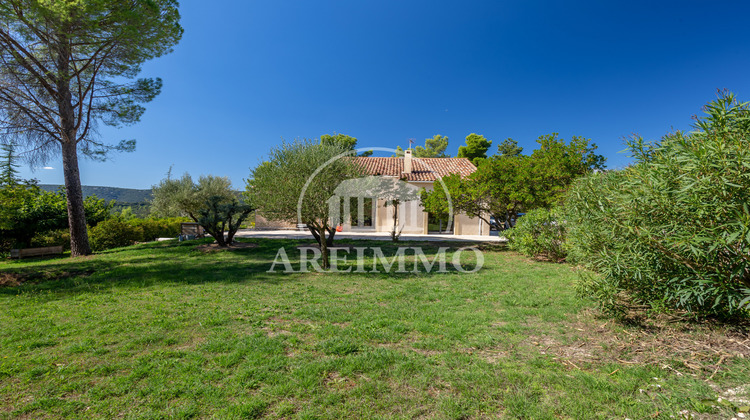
423, 169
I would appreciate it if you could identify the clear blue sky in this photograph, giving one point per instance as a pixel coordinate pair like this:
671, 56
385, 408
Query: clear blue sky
248, 73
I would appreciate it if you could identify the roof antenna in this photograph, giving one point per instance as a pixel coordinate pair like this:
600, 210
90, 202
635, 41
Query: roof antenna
411, 142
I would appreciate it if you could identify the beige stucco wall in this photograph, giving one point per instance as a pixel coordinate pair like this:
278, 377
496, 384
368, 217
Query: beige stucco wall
466, 225
411, 215
261, 223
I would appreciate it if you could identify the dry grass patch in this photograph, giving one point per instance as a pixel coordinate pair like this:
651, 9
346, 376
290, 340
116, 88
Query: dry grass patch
695, 349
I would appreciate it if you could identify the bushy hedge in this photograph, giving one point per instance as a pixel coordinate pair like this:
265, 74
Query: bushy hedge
673, 230
118, 232
539, 233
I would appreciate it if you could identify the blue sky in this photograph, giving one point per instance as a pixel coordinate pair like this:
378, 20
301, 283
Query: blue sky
248, 73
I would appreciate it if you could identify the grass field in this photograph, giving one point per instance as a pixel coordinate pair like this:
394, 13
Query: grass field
164, 330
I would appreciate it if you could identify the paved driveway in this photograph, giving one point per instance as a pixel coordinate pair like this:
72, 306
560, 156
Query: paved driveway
374, 236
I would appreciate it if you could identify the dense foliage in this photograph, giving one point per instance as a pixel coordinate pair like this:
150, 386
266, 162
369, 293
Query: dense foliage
509, 183
539, 233
342, 141
475, 149
27, 211
118, 231
673, 230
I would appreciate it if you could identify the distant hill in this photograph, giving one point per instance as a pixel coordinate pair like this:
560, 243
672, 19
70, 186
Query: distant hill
120, 195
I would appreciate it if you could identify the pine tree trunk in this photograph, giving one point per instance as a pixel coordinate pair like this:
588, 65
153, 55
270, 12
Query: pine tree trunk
79, 238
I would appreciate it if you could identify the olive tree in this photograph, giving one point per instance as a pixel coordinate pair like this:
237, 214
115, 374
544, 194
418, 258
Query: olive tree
296, 182
211, 203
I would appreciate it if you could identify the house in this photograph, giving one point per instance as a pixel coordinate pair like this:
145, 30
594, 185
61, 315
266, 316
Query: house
367, 204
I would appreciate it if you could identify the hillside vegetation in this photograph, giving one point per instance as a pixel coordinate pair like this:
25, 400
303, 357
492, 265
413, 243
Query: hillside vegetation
120, 195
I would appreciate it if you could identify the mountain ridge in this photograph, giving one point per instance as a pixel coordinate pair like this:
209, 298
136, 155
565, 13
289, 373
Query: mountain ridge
120, 195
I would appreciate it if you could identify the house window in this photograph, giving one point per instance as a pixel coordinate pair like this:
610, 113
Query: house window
361, 211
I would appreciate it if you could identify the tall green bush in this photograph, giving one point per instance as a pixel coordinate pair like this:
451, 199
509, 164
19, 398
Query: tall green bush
673, 230
539, 233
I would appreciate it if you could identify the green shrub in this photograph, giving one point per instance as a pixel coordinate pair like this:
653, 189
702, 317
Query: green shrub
539, 233
114, 233
158, 228
117, 232
673, 230
52, 238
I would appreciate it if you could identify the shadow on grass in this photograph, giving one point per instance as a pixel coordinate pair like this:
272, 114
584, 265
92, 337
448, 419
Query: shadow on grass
150, 264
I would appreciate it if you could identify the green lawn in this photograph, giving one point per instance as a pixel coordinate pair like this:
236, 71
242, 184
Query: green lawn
163, 330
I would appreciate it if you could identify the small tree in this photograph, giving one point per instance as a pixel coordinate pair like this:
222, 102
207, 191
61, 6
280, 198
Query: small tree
218, 215
296, 183
509, 147
211, 203
8, 166
492, 193
395, 193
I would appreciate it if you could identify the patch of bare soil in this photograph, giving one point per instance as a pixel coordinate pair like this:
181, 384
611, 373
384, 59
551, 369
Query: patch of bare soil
214, 247
12, 279
695, 349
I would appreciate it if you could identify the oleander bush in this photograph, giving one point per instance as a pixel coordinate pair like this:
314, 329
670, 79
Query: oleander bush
672, 231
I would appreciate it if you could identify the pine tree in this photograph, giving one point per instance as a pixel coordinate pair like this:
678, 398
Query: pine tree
8, 166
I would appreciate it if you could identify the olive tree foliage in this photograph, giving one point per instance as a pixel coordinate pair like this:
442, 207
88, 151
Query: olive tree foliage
302, 170
211, 203
672, 231
65, 67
